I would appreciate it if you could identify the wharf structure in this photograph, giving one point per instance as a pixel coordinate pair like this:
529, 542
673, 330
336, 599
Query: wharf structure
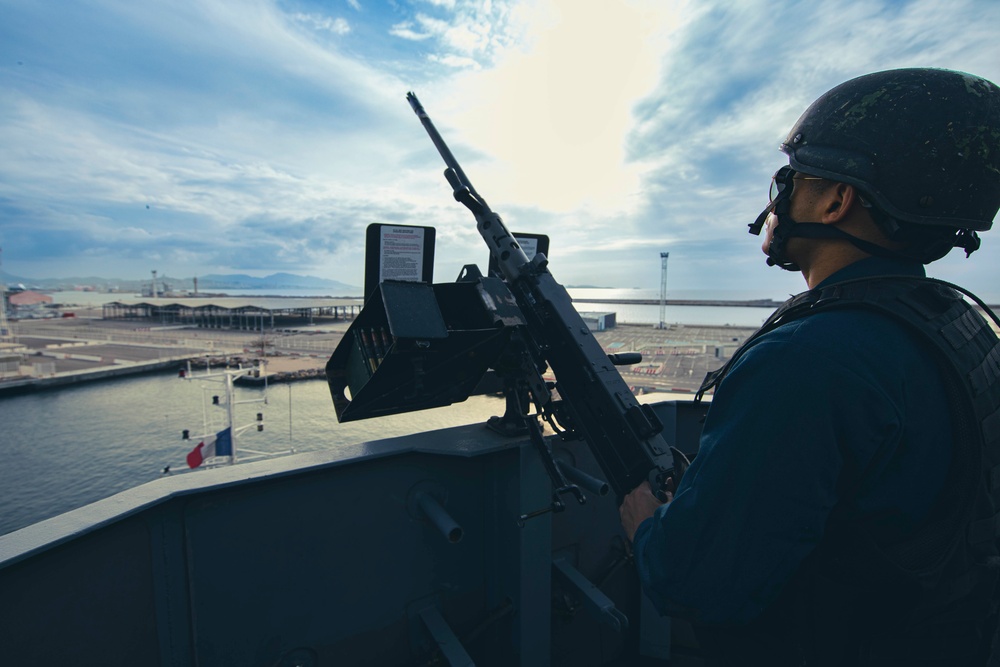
248, 313
728, 303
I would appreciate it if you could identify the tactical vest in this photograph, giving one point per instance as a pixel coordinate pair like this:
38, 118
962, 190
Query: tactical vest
932, 599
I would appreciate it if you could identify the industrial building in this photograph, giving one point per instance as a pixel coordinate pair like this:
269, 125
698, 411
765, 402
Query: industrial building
249, 313
27, 304
599, 321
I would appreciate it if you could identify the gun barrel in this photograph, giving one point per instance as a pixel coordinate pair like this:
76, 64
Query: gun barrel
439, 143
508, 253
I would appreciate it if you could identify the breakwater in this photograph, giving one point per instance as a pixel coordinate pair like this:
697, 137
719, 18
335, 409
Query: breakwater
59, 380
753, 303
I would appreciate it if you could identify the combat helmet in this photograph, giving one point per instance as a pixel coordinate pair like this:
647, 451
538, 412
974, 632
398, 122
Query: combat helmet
923, 145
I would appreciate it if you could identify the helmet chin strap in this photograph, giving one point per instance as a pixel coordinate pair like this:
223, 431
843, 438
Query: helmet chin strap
777, 248
925, 247
788, 228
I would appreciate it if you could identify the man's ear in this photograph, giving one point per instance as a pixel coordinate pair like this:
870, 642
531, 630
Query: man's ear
837, 202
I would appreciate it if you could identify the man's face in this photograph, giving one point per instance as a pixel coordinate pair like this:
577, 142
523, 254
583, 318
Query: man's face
802, 204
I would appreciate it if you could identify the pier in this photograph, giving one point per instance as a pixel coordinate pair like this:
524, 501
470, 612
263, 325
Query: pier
60, 352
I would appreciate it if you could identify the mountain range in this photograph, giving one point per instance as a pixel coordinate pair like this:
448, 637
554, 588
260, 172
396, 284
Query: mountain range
205, 283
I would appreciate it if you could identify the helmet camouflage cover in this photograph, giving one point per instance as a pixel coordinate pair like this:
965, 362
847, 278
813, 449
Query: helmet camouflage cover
922, 144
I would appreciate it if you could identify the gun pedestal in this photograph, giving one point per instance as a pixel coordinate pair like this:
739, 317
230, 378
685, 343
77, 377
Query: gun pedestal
512, 423
513, 366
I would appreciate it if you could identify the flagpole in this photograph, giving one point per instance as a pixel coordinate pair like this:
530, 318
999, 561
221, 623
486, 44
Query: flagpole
229, 435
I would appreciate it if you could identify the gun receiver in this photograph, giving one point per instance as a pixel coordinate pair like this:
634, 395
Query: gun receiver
623, 435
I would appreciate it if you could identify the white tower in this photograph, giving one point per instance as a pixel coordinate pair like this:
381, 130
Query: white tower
154, 284
663, 289
6, 335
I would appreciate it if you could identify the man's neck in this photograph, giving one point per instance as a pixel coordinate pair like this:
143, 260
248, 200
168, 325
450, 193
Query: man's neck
833, 258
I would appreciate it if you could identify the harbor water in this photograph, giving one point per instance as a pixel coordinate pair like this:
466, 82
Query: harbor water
69, 447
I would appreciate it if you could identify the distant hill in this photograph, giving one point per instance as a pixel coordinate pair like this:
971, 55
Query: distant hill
206, 283
272, 282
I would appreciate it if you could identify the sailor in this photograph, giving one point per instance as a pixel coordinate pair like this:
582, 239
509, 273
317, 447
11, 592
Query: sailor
842, 508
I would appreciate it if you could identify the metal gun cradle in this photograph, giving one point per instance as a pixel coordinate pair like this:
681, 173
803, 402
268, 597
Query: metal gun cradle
416, 346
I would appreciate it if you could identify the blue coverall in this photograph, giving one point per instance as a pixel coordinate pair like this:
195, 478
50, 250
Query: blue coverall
809, 408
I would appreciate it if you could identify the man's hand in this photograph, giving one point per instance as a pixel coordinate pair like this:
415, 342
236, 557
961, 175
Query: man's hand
639, 505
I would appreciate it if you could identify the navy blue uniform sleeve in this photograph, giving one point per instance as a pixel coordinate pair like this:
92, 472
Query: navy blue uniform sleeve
794, 410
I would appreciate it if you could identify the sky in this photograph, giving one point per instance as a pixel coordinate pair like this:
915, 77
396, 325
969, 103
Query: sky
264, 136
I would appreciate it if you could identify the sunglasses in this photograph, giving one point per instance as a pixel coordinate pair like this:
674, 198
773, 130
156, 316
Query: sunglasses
782, 181
783, 178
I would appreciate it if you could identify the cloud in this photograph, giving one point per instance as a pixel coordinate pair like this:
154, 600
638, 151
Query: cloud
443, 4
456, 62
553, 112
474, 34
405, 30
270, 134
337, 26
734, 80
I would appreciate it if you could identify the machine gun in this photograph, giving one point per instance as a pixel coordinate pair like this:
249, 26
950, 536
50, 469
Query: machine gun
596, 405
